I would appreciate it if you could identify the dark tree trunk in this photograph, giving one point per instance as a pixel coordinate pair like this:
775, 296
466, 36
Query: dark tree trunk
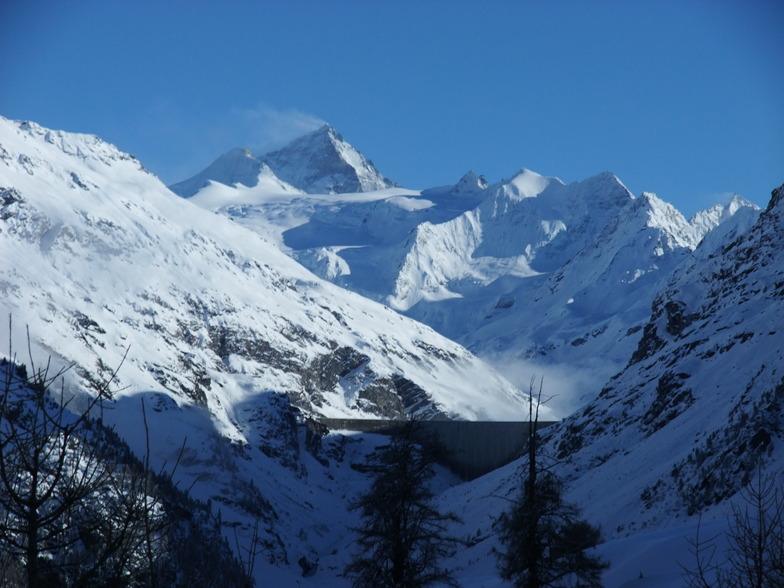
32, 549
532, 538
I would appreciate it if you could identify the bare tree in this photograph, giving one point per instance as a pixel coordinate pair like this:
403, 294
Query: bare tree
77, 508
754, 557
46, 471
72, 506
545, 542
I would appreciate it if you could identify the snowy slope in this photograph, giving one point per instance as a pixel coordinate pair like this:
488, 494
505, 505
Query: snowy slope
699, 406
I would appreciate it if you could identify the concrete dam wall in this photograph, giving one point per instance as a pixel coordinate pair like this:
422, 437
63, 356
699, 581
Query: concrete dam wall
475, 447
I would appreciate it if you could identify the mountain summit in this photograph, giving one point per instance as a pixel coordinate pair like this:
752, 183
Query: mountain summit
321, 162
238, 166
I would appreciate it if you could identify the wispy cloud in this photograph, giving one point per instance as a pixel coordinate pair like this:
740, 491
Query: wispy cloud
268, 128
564, 388
180, 145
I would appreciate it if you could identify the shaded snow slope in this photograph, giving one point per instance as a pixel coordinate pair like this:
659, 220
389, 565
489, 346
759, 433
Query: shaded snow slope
698, 408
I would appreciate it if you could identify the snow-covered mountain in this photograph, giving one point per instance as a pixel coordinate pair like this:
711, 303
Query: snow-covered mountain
698, 408
668, 327
200, 297
519, 272
321, 162
226, 338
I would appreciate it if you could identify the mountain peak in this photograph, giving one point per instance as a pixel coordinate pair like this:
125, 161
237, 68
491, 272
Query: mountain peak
328, 130
325, 135
737, 201
525, 184
241, 152
706, 220
470, 183
322, 162
236, 166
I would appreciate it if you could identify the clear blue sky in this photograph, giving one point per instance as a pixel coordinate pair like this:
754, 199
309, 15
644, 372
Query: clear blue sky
682, 98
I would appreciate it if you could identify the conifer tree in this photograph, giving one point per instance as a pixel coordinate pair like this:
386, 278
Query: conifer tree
404, 537
545, 541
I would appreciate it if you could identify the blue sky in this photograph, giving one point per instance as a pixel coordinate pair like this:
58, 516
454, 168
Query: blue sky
685, 99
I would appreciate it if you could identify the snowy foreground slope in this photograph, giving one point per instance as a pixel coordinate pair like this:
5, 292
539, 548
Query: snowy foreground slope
530, 274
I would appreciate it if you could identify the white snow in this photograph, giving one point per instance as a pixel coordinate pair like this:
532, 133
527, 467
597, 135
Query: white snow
541, 278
